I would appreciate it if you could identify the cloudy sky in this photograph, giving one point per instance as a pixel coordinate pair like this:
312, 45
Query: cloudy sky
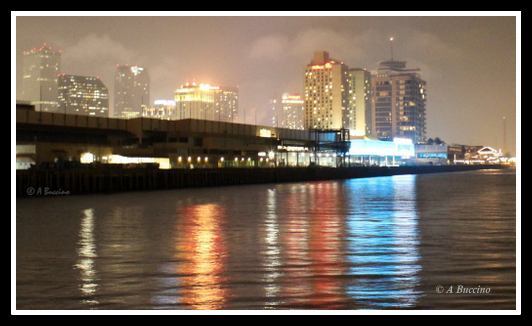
468, 62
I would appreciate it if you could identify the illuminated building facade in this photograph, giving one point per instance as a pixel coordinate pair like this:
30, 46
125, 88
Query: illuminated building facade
383, 153
132, 91
161, 109
206, 102
326, 92
84, 95
358, 118
398, 102
39, 77
289, 112
432, 154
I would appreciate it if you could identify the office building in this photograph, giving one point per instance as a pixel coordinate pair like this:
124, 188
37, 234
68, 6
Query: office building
358, 118
39, 77
84, 95
132, 91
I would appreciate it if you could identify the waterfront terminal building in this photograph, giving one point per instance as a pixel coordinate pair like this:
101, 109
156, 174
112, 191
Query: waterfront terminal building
44, 137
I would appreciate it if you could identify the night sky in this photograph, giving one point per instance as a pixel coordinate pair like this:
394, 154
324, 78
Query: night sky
468, 62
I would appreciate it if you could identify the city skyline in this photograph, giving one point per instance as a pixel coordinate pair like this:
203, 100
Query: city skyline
263, 162
272, 59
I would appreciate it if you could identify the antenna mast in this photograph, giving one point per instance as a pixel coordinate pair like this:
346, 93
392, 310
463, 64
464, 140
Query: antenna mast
391, 47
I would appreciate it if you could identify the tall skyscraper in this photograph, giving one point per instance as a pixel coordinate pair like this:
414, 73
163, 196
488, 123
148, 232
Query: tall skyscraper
398, 102
84, 95
206, 102
326, 92
358, 118
289, 112
39, 77
132, 91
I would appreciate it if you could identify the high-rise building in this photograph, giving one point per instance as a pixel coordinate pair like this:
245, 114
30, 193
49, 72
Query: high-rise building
289, 112
161, 109
39, 77
132, 91
84, 95
398, 102
206, 102
358, 118
326, 92
275, 111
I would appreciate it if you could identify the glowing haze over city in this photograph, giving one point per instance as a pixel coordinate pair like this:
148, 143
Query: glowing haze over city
467, 62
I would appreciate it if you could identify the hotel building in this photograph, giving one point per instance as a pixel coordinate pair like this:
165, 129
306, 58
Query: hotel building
161, 109
398, 102
326, 92
206, 102
289, 112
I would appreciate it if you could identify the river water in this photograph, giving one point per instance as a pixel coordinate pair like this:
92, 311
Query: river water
373, 243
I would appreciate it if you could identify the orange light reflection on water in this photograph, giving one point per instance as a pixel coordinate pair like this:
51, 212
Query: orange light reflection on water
203, 251
325, 246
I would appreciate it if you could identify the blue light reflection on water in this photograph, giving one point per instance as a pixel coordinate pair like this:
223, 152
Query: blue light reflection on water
346, 244
383, 241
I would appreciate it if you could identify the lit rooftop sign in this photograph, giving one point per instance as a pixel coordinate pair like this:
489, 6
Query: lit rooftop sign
136, 70
191, 87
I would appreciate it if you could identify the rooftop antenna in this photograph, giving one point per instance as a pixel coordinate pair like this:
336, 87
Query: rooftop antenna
391, 46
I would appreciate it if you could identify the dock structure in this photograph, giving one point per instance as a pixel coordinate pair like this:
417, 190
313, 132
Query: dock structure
52, 137
109, 179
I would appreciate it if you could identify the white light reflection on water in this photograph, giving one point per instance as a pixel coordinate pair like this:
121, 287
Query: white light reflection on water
272, 252
86, 256
373, 243
383, 242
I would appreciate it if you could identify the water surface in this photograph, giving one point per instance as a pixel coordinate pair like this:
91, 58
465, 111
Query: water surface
372, 243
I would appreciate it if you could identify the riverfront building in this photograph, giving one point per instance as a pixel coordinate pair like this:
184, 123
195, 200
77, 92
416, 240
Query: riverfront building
55, 138
398, 102
206, 102
434, 154
326, 87
84, 95
132, 91
289, 112
358, 117
365, 151
190, 143
39, 78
